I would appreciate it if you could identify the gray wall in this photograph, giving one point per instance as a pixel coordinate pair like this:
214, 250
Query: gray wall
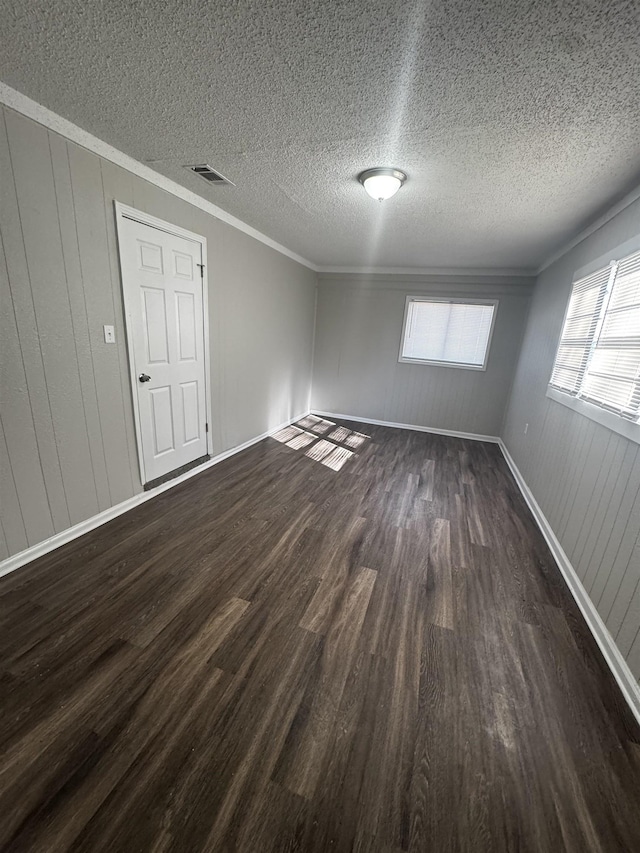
356, 368
585, 477
67, 443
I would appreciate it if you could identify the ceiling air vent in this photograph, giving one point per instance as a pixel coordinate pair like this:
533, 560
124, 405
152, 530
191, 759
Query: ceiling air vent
210, 175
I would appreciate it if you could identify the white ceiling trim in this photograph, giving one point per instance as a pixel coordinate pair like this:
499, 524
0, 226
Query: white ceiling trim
617, 208
33, 110
422, 271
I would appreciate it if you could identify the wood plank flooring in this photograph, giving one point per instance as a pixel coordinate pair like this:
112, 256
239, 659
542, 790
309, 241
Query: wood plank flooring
348, 638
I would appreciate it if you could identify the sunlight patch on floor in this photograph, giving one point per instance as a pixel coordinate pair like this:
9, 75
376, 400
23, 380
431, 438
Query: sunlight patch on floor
339, 434
302, 440
337, 458
308, 421
320, 449
356, 439
306, 434
322, 426
287, 433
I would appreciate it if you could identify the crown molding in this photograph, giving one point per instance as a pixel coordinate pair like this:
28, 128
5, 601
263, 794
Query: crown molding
432, 280
594, 226
471, 272
46, 117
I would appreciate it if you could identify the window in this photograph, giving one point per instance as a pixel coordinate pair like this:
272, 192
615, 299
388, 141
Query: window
448, 332
598, 357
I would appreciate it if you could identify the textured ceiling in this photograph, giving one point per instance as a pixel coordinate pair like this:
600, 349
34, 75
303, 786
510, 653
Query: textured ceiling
517, 121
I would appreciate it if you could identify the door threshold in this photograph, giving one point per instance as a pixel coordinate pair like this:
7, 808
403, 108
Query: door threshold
170, 475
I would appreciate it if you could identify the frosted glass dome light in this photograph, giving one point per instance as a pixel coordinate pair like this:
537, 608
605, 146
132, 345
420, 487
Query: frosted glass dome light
381, 184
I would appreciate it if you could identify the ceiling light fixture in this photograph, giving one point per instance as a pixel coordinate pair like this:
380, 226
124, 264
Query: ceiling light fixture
382, 183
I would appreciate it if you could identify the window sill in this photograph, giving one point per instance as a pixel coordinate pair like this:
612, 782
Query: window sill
404, 360
606, 419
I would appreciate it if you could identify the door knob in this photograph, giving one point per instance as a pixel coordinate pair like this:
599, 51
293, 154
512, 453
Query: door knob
144, 377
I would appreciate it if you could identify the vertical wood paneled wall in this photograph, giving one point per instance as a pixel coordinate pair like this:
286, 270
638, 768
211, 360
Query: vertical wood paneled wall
356, 368
67, 442
585, 477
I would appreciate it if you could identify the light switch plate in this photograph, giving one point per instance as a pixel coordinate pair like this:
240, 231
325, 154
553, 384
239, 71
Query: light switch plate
109, 334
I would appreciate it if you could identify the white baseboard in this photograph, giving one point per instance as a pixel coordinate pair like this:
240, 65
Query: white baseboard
27, 556
612, 655
470, 435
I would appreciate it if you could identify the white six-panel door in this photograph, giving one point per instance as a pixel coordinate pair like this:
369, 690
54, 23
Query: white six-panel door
164, 304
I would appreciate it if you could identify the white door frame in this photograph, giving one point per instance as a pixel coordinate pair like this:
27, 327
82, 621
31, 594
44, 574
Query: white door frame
124, 212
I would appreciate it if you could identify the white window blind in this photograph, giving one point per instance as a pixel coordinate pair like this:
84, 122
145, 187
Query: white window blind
584, 310
598, 358
448, 332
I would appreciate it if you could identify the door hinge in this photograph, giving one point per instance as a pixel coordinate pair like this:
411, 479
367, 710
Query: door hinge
201, 270
206, 427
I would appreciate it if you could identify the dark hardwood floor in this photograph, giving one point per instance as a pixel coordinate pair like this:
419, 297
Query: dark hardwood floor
306, 650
